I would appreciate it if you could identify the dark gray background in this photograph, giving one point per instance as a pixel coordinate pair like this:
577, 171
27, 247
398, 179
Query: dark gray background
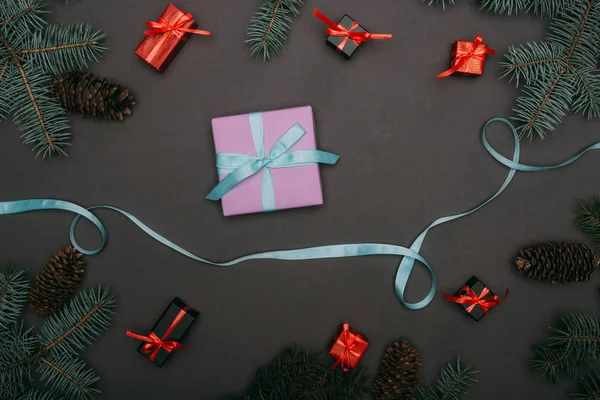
410, 151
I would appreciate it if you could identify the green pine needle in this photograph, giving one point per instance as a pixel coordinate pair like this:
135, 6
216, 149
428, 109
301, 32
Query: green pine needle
591, 387
588, 219
453, 383
297, 373
69, 376
35, 394
14, 287
79, 323
576, 342
559, 74
18, 348
438, 2
269, 26
29, 54
551, 8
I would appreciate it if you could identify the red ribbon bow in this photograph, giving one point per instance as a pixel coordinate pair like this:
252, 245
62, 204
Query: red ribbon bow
462, 59
357, 37
349, 341
468, 296
154, 343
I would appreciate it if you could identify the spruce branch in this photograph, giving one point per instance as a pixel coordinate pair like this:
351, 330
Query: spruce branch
29, 53
69, 376
18, 348
551, 8
560, 74
14, 285
62, 48
588, 218
438, 2
452, 384
35, 394
78, 324
52, 352
269, 26
576, 342
297, 373
590, 385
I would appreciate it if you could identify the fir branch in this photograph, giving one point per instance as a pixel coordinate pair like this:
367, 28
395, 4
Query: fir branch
508, 7
17, 352
37, 113
35, 394
523, 62
14, 286
297, 373
588, 218
269, 26
68, 376
438, 2
560, 73
79, 323
591, 387
452, 384
576, 342
21, 12
61, 48
551, 8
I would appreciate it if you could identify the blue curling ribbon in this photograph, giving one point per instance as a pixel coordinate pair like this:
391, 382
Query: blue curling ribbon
409, 255
243, 166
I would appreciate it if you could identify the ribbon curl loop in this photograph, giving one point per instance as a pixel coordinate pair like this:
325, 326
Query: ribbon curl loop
409, 255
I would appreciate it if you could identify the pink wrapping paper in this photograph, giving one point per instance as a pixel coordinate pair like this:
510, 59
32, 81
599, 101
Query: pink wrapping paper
294, 186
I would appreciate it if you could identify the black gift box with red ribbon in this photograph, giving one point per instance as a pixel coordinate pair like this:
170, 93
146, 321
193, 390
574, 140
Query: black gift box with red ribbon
178, 317
475, 297
349, 46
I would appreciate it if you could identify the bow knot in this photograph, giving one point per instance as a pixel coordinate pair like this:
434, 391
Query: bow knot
469, 297
177, 28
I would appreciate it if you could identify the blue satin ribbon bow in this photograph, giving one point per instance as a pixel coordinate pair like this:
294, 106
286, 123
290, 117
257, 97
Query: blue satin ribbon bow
409, 255
243, 166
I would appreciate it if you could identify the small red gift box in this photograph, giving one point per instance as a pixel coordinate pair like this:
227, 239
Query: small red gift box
348, 348
166, 37
468, 58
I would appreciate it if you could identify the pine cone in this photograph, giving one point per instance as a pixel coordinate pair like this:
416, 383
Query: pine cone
57, 282
558, 262
399, 373
92, 95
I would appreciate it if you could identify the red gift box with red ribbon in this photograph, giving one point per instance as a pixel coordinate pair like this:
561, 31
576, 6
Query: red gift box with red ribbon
468, 58
166, 36
348, 348
165, 337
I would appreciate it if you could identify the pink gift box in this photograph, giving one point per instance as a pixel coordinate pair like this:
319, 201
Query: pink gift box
298, 186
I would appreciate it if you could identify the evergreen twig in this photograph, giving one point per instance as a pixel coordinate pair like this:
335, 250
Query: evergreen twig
559, 74
588, 218
438, 2
28, 54
452, 384
53, 352
590, 385
13, 295
269, 26
576, 342
297, 373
